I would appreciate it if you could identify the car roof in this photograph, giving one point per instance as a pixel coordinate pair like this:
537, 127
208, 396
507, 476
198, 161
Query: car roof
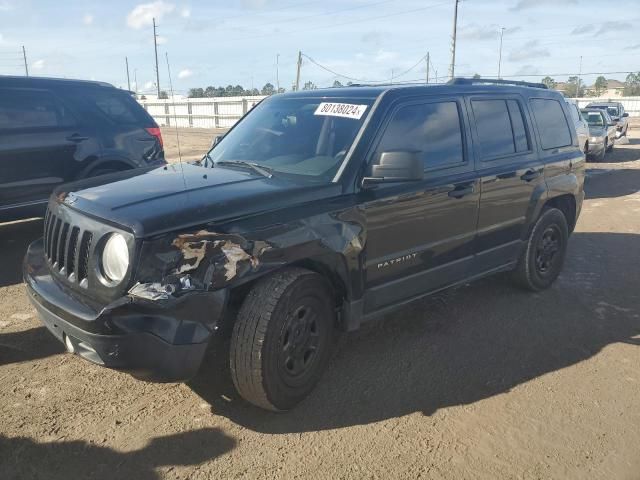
451, 88
603, 104
44, 82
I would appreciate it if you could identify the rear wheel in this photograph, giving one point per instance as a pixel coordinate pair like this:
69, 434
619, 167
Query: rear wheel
541, 260
282, 338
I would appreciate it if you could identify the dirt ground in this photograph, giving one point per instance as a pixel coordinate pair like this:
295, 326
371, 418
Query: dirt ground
483, 382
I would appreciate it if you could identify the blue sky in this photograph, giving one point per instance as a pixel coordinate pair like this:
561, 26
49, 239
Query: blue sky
220, 43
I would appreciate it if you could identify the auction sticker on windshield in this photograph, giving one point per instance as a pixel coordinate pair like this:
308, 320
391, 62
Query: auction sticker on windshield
345, 110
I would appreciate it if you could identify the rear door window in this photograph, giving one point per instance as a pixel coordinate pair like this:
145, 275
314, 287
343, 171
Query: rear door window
28, 109
501, 128
118, 106
432, 129
552, 123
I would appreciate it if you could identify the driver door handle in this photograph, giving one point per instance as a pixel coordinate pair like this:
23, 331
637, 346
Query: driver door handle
461, 191
530, 175
76, 137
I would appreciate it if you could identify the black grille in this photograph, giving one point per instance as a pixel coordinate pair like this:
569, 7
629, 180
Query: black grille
67, 248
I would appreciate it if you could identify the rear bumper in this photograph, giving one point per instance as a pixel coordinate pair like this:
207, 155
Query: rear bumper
153, 340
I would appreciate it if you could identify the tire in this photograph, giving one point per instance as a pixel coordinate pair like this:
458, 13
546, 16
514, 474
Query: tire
608, 146
282, 339
541, 260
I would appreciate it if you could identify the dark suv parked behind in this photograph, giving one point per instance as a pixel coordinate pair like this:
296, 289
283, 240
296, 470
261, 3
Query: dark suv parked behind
54, 131
319, 209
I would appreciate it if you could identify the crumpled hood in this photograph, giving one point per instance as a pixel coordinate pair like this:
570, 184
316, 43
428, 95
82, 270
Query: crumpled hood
175, 197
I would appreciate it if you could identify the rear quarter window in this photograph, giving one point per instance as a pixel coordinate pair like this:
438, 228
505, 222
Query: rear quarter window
552, 123
119, 107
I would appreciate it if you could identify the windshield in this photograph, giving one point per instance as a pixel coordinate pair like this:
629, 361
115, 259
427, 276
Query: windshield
613, 111
593, 118
309, 137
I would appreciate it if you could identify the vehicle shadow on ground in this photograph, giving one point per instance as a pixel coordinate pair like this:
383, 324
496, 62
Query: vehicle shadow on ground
468, 345
23, 458
26, 345
604, 183
14, 240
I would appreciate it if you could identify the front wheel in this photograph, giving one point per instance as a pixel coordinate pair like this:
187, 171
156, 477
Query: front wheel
282, 338
543, 256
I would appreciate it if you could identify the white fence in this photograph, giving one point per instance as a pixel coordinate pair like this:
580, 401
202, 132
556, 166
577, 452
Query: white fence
219, 112
223, 112
631, 104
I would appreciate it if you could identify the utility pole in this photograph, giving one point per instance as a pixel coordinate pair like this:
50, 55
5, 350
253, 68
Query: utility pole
579, 79
155, 46
24, 55
126, 61
500, 54
428, 61
135, 80
452, 67
298, 71
277, 73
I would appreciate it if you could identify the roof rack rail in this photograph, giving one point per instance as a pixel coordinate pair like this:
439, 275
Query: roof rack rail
495, 81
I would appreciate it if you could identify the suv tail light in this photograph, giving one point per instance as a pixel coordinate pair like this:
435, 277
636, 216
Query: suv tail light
155, 131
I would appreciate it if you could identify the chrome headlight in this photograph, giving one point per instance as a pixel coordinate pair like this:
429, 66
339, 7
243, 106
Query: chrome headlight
115, 258
596, 139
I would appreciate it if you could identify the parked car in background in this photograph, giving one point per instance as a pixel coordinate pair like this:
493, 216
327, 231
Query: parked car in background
320, 209
617, 114
582, 129
602, 132
54, 131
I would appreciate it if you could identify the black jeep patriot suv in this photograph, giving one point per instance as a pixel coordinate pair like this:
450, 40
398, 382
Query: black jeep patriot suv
319, 210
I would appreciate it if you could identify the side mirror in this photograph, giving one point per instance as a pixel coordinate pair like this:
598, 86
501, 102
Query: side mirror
395, 167
216, 140
625, 115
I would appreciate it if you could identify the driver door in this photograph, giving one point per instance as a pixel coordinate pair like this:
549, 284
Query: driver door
421, 233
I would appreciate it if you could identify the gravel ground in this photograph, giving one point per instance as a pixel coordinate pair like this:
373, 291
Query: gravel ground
482, 382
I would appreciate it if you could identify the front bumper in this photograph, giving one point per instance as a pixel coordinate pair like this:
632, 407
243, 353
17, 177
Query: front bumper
161, 340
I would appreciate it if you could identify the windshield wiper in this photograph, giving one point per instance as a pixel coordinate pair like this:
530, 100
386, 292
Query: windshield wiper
264, 171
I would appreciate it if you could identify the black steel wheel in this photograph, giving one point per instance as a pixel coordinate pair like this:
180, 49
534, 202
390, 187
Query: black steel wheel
282, 338
542, 258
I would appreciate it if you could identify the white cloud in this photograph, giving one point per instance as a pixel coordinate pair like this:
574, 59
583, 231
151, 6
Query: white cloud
149, 85
582, 29
613, 27
38, 65
142, 15
161, 40
5, 6
528, 51
385, 56
528, 70
254, 3
87, 19
524, 4
185, 13
186, 73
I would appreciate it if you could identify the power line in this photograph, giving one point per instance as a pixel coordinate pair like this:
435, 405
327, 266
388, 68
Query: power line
351, 22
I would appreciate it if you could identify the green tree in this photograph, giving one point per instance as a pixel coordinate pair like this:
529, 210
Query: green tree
476, 75
337, 84
632, 85
196, 93
163, 95
549, 82
575, 87
600, 85
268, 89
